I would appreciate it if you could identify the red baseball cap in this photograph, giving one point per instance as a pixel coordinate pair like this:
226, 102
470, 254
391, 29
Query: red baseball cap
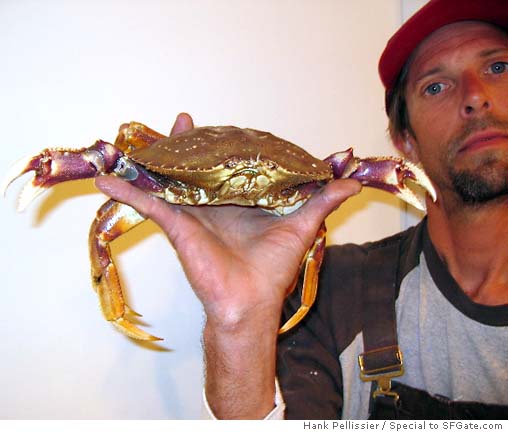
434, 15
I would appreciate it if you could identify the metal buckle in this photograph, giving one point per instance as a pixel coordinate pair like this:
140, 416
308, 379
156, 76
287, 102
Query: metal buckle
382, 375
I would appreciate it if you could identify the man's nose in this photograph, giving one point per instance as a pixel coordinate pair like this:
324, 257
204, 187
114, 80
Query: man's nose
476, 99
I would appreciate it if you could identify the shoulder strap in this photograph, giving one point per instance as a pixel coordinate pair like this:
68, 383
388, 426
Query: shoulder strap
382, 359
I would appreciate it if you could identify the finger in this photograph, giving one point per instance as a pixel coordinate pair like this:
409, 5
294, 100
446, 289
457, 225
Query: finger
329, 199
147, 205
173, 221
182, 123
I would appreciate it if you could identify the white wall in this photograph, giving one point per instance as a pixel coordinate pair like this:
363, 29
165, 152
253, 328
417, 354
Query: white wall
72, 72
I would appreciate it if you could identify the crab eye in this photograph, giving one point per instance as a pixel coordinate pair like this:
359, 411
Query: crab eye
231, 163
271, 165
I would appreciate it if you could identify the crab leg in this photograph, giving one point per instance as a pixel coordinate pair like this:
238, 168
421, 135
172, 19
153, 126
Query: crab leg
135, 135
312, 264
53, 166
385, 173
113, 219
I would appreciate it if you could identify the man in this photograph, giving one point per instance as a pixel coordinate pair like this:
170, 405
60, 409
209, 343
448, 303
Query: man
446, 78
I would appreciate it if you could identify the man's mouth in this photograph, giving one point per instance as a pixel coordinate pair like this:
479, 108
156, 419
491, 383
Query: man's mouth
486, 138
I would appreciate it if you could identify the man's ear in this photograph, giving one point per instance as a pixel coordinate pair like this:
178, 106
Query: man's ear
406, 144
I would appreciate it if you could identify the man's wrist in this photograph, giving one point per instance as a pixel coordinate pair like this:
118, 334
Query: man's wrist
245, 321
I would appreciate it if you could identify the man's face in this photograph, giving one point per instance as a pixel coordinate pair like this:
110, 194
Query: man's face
457, 98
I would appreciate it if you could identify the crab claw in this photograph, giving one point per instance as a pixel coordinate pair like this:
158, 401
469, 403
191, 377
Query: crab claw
385, 173
17, 170
53, 166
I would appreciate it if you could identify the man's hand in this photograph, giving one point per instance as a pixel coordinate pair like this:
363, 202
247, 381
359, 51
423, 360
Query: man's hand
240, 262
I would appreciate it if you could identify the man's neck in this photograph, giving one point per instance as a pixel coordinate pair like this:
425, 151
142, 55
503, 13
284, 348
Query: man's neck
473, 243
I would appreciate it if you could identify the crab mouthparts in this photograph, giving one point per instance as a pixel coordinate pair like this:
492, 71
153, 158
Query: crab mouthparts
248, 181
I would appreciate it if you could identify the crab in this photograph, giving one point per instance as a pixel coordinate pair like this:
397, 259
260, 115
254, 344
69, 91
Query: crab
205, 166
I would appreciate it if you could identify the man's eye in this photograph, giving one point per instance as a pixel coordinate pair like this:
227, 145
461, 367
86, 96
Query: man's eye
434, 89
498, 67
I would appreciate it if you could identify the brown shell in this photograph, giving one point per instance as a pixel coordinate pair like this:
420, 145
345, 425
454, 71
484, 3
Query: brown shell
191, 155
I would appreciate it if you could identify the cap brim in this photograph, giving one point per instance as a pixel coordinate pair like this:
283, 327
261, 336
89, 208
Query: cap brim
432, 16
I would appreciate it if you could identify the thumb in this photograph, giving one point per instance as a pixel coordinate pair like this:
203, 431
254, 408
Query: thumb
330, 198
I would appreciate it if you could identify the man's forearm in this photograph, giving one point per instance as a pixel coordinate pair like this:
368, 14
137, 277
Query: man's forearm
240, 370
